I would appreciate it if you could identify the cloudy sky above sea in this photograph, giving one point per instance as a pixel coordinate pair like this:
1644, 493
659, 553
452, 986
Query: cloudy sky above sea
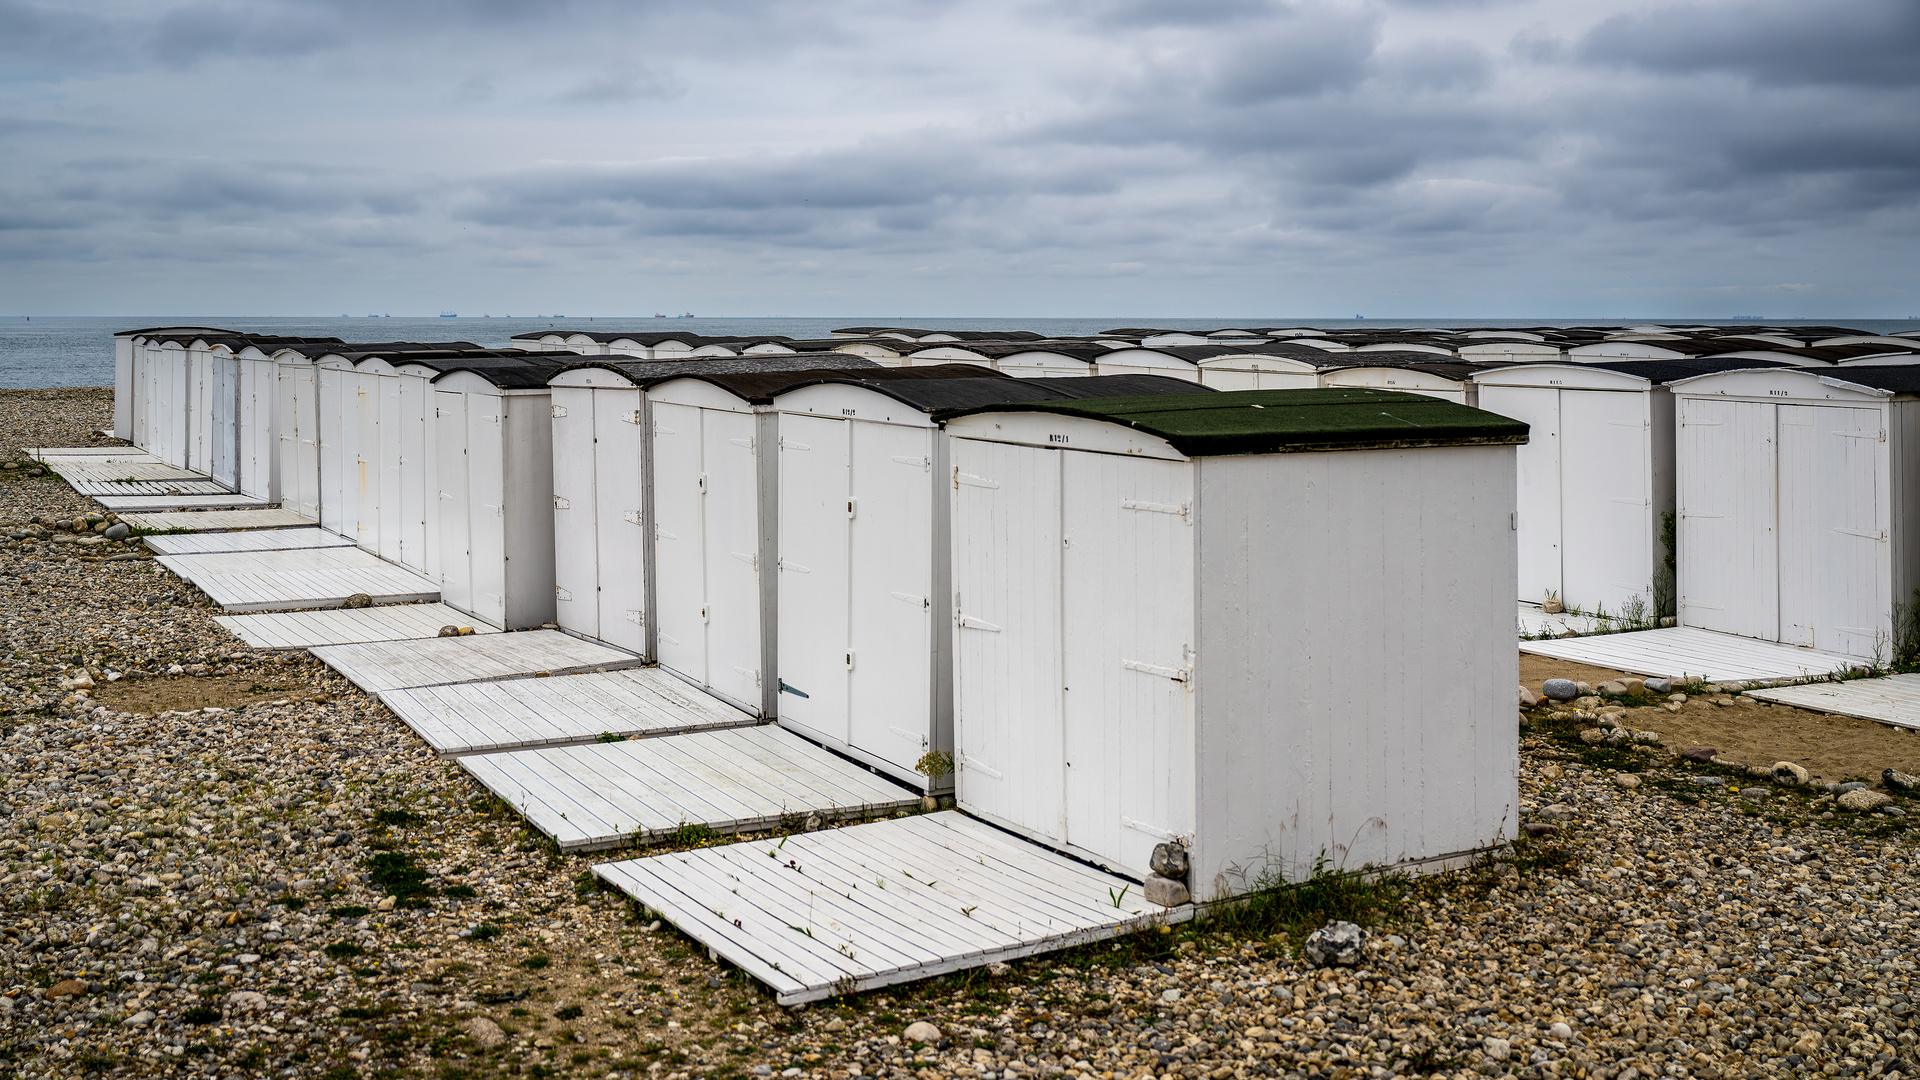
1499, 158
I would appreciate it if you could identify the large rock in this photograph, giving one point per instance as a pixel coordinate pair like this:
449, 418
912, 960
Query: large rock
1168, 860
1864, 799
1899, 781
358, 600
1165, 891
1659, 686
484, 1032
1528, 699
67, 988
1786, 772
119, 532
921, 1032
1560, 689
1337, 944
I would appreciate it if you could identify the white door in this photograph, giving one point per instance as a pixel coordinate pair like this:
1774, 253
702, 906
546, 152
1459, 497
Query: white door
333, 485
1128, 642
816, 656
1009, 754
679, 548
387, 465
619, 481
451, 457
486, 507
1728, 557
732, 533
1607, 532
1538, 491
1836, 589
416, 489
576, 562
363, 479
890, 707
223, 431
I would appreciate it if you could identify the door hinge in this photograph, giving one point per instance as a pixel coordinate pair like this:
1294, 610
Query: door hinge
631, 517
747, 442
968, 622
750, 560
638, 618
794, 690
561, 594
560, 503
632, 416
559, 411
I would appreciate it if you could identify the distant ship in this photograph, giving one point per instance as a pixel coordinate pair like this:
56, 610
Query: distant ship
449, 315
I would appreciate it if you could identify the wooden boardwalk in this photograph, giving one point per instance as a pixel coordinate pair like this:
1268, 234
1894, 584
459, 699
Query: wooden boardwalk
379, 666
212, 520
1894, 699
202, 543
90, 453
484, 717
168, 488
287, 580
345, 626
109, 470
134, 504
1685, 652
603, 795
824, 913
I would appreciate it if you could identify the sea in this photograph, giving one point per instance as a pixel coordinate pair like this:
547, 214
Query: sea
44, 351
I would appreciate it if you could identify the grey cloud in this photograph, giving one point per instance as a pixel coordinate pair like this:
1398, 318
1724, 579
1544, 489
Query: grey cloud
1170, 13
1293, 58
1770, 42
631, 84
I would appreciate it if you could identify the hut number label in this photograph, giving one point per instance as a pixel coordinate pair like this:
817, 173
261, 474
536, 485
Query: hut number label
1056, 438
849, 412
1779, 393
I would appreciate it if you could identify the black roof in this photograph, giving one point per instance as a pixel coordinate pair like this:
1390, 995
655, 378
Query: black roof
1893, 378
194, 330
961, 392
528, 372
758, 387
648, 372
359, 349
1457, 370
1666, 371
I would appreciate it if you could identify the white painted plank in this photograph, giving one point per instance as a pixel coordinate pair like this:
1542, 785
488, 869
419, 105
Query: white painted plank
202, 543
1894, 699
108, 470
745, 906
344, 626
380, 666
114, 488
128, 453
730, 780
1689, 652
299, 578
210, 520
516, 714
138, 503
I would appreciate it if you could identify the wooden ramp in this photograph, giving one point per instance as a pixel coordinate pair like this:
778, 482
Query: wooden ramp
202, 543
345, 626
133, 504
483, 717
1894, 699
108, 470
310, 578
89, 453
603, 795
1685, 652
378, 666
124, 488
825, 913
212, 520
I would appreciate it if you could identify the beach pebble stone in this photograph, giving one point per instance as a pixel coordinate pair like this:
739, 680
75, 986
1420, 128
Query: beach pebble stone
1616, 687
1702, 754
1540, 829
119, 531
1497, 1049
1649, 737
139, 1019
1560, 689
358, 600
1899, 781
921, 1032
1659, 686
1560, 1031
1528, 699
997, 969
1593, 736
1786, 772
484, 1032
1337, 944
1168, 860
67, 988
1165, 891
449, 630
1626, 780
247, 1000
1863, 799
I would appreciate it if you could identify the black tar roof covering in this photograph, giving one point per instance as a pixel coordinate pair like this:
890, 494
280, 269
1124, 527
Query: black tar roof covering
958, 392
359, 349
648, 372
759, 387
1289, 421
1893, 378
1458, 371
195, 330
1665, 371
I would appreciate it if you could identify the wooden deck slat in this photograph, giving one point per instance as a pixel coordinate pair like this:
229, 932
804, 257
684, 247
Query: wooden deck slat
133, 504
202, 543
346, 626
299, 578
394, 665
487, 717
130, 453
210, 520
1687, 652
869, 936
1893, 699
730, 779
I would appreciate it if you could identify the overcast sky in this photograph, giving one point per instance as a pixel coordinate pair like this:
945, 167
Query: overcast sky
1500, 158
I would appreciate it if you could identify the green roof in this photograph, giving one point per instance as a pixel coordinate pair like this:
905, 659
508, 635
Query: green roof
1288, 421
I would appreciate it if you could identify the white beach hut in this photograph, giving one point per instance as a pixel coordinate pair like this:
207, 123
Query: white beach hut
1156, 639
602, 486
1446, 380
1798, 519
863, 598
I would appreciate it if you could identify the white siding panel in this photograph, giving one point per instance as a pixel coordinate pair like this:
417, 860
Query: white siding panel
1539, 492
577, 563
1835, 583
1607, 553
815, 484
1728, 551
486, 507
1127, 594
332, 488
892, 713
1007, 674
731, 509
418, 497
456, 527
620, 455
386, 467
679, 546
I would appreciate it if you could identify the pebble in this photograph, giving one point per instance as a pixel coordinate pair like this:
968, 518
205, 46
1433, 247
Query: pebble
1786, 772
1337, 944
1864, 799
921, 1032
1560, 689
1626, 780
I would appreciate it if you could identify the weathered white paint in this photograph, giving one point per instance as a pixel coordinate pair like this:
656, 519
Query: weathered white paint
1150, 646
1405, 379
1797, 521
1257, 371
1595, 481
297, 429
495, 475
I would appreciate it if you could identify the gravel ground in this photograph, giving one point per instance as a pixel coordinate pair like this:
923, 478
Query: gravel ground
297, 887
